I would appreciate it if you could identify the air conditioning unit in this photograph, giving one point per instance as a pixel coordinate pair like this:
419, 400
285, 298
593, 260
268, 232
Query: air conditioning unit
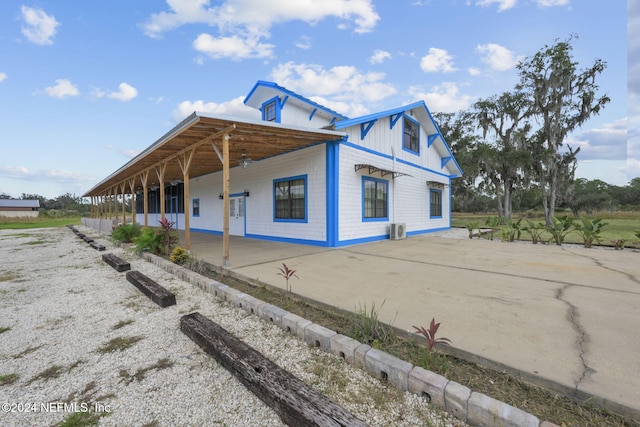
398, 231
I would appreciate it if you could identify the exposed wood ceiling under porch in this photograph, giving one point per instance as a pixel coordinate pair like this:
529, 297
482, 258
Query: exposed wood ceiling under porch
194, 139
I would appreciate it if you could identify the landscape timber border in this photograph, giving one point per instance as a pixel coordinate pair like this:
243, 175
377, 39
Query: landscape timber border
466, 405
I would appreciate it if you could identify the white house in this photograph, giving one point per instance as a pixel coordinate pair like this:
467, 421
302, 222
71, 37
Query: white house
14, 208
303, 174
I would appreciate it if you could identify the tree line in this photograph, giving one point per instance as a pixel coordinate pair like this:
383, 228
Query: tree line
511, 146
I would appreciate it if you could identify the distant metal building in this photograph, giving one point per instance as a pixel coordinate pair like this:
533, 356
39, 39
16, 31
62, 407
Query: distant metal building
13, 208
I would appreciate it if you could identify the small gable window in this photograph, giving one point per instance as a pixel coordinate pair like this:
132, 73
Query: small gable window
411, 136
269, 112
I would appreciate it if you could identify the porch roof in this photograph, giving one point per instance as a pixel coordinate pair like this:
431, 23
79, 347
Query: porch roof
198, 133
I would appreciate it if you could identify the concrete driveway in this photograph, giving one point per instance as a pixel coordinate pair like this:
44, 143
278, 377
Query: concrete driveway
565, 317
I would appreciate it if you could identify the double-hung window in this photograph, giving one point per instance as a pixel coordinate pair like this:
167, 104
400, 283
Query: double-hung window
375, 203
435, 203
290, 199
270, 111
411, 136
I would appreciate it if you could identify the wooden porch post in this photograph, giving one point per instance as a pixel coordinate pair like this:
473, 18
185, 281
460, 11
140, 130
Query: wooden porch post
124, 210
225, 201
160, 170
144, 177
132, 183
185, 164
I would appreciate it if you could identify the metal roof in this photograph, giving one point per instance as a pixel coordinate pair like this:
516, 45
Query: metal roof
255, 138
19, 203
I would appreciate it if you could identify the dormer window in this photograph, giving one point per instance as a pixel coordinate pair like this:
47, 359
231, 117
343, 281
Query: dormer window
269, 112
411, 136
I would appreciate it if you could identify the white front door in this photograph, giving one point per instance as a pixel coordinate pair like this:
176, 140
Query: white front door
236, 216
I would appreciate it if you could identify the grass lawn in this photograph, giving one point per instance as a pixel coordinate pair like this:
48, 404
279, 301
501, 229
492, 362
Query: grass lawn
40, 222
620, 226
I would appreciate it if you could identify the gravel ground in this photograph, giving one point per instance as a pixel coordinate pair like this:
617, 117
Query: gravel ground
60, 304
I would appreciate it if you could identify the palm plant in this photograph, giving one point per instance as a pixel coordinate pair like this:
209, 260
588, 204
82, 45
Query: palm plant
559, 229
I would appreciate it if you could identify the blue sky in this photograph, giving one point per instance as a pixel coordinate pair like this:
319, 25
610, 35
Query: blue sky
86, 85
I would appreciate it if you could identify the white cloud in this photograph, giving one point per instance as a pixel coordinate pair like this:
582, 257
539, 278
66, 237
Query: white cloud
444, 98
379, 56
502, 4
40, 27
608, 142
498, 57
243, 24
473, 71
342, 83
3, 77
551, 3
234, 107
125, 92
260, 14
303, 42
62, 88
234, 47
42, 175
437, 60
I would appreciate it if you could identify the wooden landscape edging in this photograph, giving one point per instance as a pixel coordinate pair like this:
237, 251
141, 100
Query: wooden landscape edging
118, 263
150, 288
295, 403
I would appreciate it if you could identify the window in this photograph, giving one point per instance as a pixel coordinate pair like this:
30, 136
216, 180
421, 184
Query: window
375, 200
196, 207
290, 199
435, 203
269, 112
411, 136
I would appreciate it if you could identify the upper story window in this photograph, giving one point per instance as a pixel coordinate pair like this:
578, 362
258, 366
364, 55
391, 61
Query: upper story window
411, 136
270, 112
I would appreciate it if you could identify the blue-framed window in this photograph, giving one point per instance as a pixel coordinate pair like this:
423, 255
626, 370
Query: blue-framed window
411, 135
290, 199
195, 207
435, 203
375, 199
271, 110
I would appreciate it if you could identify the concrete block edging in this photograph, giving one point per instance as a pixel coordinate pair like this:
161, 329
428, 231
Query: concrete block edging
460, 401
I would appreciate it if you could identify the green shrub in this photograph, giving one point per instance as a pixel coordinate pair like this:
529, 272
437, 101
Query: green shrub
126, 233
148, 240
559, 229
535, 230
591, 231
179, 256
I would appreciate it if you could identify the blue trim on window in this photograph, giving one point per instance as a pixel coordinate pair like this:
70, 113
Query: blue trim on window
432, 190
384, 181
332, 192
306, 199
417, 123
278, 106
193, 202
